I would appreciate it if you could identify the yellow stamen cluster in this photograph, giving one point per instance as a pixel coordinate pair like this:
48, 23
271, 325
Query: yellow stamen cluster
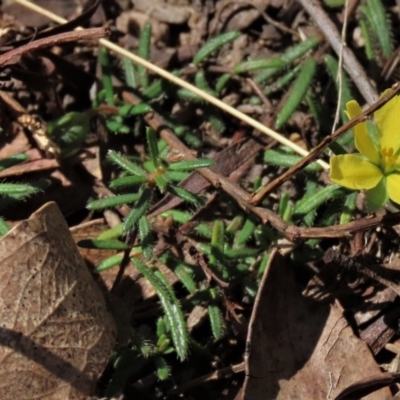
388, 159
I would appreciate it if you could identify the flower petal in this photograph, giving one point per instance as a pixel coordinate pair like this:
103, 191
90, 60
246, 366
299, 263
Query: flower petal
393, 187
388, 121
354, 172
363, 142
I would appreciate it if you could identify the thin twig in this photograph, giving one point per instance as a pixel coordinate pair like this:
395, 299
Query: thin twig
351, 64
339, 76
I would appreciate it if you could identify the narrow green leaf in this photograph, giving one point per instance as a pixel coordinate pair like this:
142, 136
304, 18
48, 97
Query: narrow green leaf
179, 216
145, 237
17, 190
184, 194
161, 182
4, 228
377, 18
162, 368
138, 211
280, 159
129, 72
181, 270
319, 198
200, 81
289, 56
173, 312
253, 65
128, 181
109, 263
298, 92
283, 81
128, 110
191, 165
13, 160
240, 253
369, 51
222, 82
152, 146
70, 132
106, 73
179, 328
115, 201
156, 89
217, 242
348, 208
234, 225
103, 244
119, 160
246, 232
144, 52
213, 45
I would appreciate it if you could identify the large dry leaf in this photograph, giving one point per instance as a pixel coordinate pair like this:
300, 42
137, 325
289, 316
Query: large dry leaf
301, 349
56, 333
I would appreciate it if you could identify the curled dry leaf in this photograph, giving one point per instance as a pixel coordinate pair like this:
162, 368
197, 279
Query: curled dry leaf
300, 349
56, 333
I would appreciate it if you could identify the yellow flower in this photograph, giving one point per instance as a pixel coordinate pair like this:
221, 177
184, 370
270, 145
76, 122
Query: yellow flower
377, 167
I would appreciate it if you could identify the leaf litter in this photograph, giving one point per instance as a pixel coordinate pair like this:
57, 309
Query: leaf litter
318, 322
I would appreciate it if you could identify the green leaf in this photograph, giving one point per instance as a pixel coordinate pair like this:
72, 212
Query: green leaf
163, 370
152, 146
213, 45
119, 160
145, 237
129, 72
144, 52
298, 91
17, 190
139, 210
105, 65
128, 181
289, 56
115, 201
217, 242
109, 263
319, 198
253, 65
173, 312
377, 197
4, 228
184, 194
103, 244
128, 110
13, 160
191, 165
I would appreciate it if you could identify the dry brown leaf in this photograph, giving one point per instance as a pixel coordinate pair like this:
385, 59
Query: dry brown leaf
301, 349
56, 332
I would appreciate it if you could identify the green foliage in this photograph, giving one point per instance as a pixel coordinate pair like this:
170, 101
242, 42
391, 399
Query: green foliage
213, 45
227, 247
379, 25
144, 52
288, 57
253, 65
171, 307
69, 132
298, 91
106, 75
321, 196
10, 193
281, 159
